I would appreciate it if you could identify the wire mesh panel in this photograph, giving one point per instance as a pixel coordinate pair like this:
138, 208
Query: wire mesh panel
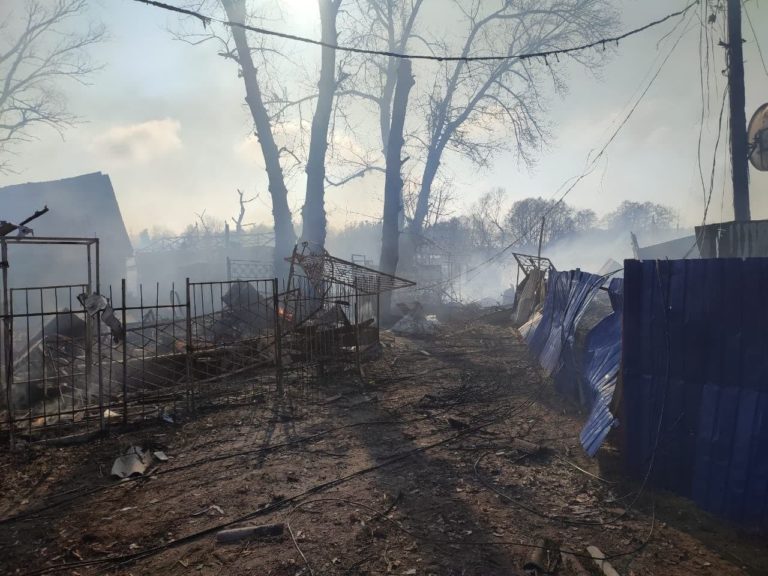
233, 346
249, 269
326, 326
50, 371
143, 353
319, 264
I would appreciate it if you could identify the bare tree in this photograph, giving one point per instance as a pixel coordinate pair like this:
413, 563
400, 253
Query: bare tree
285, 234
393, 185
393, 27
241, 215
524, 221
487, 221
438, 208
470, 101
33, 62
313, 213
641, 217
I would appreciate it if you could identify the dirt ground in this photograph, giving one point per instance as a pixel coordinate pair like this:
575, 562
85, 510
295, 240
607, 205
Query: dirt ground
428, 465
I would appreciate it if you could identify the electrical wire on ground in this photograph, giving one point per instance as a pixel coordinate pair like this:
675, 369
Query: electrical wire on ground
464, 542
77, 494
275, 506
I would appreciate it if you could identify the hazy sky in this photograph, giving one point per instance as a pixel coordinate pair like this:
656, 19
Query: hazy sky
166, 121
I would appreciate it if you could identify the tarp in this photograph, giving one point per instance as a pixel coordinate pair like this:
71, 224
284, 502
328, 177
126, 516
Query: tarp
695, 382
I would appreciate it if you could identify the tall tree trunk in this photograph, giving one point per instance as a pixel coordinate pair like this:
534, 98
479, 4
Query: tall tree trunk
285, 235
412, 237
431, 167
313, 212
393, 184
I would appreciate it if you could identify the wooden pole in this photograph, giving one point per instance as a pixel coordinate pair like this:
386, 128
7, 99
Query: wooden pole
738, 121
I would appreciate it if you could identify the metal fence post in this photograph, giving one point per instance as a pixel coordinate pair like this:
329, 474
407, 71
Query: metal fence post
357, 330
278, 347
5, 335
99, 370
88, 346
125, 355
190, 382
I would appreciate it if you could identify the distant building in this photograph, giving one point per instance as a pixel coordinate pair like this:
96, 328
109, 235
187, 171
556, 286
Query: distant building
678, 249
206, 258
83, 206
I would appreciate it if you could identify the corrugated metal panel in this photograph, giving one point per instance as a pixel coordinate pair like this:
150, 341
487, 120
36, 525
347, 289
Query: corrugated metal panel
695, 381
568, 294
594, 378
602, 359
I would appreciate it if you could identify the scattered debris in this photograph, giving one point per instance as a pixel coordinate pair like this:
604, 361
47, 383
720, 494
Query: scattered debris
160, 456
572, 565
543, 559
525, 446
236, 534
364, 399
457, 424
133, 463
601, 562
415, 322
255, 459
211, 510
95, 303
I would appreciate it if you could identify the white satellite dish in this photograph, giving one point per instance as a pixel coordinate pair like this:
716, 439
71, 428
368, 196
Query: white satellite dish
758, 139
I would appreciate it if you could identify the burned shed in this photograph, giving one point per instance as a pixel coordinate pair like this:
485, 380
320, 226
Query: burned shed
82, 206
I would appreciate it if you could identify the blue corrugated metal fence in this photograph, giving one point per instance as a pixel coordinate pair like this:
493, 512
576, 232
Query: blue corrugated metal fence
593, 378
602, 359
695, 382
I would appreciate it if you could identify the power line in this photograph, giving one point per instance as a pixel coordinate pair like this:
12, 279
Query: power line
714, 156
207, 20
591, 165
756, 38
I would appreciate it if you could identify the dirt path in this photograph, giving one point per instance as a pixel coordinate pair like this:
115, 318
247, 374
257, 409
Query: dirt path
426, 467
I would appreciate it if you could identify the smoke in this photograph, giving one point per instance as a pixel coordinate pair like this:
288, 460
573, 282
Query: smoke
140, 142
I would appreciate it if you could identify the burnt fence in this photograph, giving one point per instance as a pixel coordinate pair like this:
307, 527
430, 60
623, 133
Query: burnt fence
76, 358
75, 361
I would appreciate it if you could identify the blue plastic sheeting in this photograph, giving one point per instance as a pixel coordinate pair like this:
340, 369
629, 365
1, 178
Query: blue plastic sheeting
695, 382
602, 359
568, 294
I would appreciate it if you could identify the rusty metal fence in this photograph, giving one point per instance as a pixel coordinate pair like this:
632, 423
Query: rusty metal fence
78, 358
327, 327
233, 335
75, 360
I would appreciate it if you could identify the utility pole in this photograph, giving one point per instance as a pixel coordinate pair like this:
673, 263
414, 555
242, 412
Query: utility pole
739, 151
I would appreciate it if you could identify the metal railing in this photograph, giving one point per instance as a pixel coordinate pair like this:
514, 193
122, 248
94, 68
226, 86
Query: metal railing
68, 367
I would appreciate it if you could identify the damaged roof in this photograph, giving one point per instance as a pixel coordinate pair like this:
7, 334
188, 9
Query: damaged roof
84, 206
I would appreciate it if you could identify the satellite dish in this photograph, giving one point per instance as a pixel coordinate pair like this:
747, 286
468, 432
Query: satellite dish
758, 139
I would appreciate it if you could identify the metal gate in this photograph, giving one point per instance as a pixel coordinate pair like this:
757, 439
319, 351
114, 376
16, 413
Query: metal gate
75, 360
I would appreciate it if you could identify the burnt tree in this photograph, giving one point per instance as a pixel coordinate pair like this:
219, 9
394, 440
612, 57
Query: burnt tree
393, 182
313, 213
476, 109
285, 235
